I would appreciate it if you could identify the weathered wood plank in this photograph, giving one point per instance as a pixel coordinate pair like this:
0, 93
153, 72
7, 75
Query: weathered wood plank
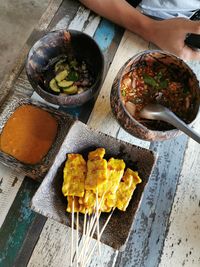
10, 183
92, 24
148, 233
101, 116
182, 245
80, 19
18, 220
30, 239
64, 15
53, 248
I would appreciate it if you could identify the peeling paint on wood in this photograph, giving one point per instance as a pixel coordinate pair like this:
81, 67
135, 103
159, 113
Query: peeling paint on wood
80, 19
17, 222
92, 24
148, 234
182, 245
10, 183
101, 115
53, 248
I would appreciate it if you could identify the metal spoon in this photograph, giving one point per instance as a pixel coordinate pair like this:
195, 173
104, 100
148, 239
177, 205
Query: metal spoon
159, 112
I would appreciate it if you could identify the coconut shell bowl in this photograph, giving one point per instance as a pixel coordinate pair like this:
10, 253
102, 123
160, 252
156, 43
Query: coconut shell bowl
65, 67
158, 77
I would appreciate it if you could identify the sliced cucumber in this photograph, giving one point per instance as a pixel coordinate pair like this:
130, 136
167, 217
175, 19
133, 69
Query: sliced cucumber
53, 85
61, 66
71, 90
65, 83
61, 76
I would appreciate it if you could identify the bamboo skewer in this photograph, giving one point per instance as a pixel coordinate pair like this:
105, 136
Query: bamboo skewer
88, 227
77, 228
85, 240
94, 226
87, 236
102, 230
97, 211
72, 234
83, 235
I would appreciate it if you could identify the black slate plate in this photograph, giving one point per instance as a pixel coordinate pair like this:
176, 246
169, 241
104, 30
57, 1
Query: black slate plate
50, 202
36, 171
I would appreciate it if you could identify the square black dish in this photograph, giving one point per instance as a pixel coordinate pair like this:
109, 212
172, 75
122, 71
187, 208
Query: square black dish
49, 201
39, 170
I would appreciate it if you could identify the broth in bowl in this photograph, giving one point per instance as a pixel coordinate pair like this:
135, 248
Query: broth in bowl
156, 79
149, 77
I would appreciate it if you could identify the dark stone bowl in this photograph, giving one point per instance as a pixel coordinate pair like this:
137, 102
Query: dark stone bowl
59, 43
132, 125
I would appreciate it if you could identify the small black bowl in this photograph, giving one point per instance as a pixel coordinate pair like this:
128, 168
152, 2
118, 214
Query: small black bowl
53, 46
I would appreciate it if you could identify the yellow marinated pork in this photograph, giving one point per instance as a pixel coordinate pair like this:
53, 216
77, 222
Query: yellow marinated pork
74, 176
87, 202
126, 189
69, 204
97, 154
82, 181
115, 173
96, 170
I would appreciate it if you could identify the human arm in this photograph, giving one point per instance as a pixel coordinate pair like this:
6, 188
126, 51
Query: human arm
167, 34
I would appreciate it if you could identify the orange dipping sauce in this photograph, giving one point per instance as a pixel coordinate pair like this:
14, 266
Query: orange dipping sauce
28, 134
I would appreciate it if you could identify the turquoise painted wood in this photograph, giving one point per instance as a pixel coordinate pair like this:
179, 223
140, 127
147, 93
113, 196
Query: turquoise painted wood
105, 34
17, 223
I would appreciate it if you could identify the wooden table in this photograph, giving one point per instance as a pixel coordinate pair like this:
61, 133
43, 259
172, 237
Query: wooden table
166, 230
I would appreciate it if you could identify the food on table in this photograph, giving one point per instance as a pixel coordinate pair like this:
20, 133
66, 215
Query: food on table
87, 202
151, 80
115, 172
118, 183
74, 176
70, 76
28, 134
126, 188
98, 165
70, 199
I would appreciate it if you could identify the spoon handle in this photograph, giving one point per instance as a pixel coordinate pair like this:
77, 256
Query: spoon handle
171, 118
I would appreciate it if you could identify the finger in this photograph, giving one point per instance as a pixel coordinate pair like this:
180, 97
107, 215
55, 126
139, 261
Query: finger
190, 54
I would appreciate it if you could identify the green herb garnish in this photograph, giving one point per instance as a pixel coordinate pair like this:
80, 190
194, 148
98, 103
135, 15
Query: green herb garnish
123, 92
185, 89
73, 76
163, 84
149, 80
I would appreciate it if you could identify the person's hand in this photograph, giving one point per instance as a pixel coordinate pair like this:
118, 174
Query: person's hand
170, 34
